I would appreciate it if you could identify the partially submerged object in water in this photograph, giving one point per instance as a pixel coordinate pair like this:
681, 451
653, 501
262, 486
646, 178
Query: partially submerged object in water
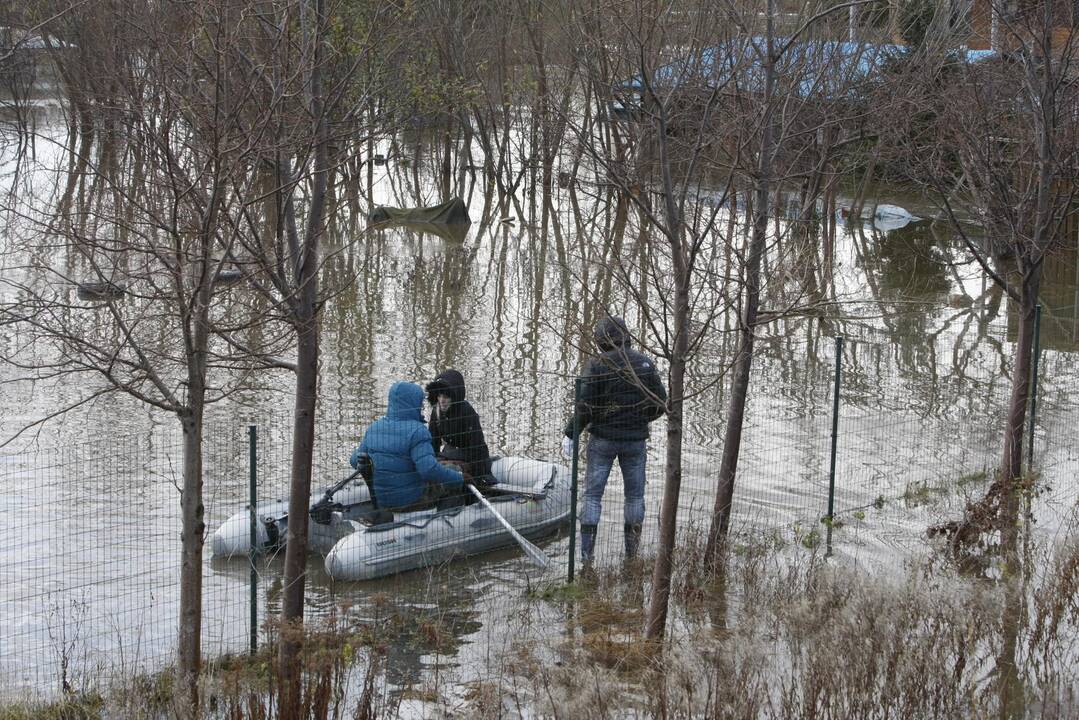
449, 221
102, 290
885, 217
452, 212
228, 277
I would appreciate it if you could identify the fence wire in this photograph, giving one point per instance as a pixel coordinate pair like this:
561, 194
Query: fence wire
90, 533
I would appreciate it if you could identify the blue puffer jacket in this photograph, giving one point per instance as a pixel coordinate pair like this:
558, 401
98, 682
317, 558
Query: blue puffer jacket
399, 446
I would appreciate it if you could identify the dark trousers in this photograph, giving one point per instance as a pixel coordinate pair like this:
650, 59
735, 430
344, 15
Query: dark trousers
435, 495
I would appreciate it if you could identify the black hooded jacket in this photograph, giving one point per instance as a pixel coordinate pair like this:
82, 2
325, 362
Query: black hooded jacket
621, 391
457, 434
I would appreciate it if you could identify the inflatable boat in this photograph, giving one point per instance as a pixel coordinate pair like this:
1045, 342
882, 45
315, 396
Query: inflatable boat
361, 542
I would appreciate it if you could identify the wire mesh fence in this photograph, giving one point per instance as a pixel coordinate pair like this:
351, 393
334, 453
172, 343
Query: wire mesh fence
88, 537
90, 532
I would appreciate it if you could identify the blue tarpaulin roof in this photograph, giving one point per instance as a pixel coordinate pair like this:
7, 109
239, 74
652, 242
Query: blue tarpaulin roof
824, 68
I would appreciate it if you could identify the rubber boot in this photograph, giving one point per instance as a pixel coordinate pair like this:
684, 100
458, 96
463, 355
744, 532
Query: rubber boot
633, 540
588, 543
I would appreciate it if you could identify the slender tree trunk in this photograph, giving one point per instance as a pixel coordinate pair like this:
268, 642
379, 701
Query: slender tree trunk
732, 441
298, 518
1011, 467
855, 212
371, 152
191, 507
656, 623
1012, 462
192, 511
303, 439
446, 174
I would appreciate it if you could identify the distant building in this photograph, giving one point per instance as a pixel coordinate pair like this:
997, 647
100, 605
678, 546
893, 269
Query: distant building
27, 70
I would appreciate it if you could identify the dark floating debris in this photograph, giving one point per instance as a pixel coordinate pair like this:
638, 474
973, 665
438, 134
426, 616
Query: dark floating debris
228, 277
104, 290
452, 212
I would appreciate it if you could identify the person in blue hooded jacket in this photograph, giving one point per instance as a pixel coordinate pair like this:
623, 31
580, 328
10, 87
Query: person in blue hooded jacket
407, 476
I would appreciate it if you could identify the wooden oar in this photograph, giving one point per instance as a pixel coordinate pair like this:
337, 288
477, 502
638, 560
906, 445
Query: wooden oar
531, 550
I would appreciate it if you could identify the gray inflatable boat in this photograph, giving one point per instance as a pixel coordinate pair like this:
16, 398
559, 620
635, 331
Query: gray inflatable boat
361, 543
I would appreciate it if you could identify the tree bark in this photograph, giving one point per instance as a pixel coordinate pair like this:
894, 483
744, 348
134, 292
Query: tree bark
1011, 467
192, 510
291, 642
305, 313
189, 641
732, 441
656, 623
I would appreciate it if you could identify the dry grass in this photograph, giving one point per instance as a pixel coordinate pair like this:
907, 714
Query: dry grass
77, 707
780, 638
780, 633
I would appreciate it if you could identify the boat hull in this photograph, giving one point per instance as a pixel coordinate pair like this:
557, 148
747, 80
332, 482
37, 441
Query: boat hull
533, 496
233, 537
417, 540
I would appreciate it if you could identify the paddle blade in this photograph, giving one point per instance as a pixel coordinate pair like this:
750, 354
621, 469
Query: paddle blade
537, 555
534, 553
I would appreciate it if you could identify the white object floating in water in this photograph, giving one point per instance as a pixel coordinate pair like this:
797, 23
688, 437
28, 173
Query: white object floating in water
892, 211
892, 217
885, 217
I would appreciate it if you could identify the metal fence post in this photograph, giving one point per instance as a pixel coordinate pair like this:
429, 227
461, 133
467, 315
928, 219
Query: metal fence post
252, 493
835, 427
574, 470
1034, 387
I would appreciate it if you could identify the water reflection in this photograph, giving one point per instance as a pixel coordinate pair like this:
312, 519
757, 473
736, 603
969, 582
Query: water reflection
510, 304
910, 263
418, 619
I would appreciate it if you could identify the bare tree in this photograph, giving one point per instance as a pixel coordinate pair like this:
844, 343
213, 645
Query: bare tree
211, 164
743, 114
808, 94
137, 297
1001, 161
308, 120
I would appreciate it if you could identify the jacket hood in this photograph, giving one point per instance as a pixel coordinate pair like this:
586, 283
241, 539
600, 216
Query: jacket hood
448, 382
406, 401
611, 333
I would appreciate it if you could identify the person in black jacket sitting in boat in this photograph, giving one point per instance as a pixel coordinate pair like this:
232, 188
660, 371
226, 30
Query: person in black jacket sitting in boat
455, 427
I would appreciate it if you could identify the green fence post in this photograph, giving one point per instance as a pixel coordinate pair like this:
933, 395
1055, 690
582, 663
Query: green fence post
252, 498
574, 470
1034, 386
835, 429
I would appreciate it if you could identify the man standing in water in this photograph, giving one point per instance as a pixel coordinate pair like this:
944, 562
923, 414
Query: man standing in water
621, 393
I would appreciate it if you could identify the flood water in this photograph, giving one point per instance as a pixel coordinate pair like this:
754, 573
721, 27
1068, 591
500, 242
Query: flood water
88, 506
